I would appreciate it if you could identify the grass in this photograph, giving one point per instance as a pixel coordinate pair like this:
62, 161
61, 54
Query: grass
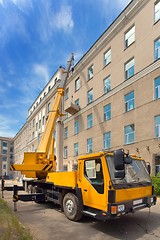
10, 227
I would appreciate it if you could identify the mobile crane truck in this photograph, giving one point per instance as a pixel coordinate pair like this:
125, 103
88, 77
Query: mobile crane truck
106, 184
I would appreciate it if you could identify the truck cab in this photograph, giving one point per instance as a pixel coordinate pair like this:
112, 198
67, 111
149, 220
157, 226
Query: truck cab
106, 185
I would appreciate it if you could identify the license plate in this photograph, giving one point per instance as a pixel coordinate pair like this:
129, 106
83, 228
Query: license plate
136, 202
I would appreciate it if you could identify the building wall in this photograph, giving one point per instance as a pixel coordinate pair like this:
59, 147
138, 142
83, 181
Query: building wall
6, 157
139, 14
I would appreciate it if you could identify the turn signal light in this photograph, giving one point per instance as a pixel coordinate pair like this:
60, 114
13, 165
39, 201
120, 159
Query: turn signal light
113, 209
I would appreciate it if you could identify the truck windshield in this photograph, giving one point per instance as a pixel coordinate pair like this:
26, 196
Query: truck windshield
135, 174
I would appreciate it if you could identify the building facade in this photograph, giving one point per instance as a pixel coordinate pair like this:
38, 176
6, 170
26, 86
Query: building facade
112, 99
6, 157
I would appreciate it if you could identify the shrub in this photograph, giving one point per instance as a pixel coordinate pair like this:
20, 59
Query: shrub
156, 184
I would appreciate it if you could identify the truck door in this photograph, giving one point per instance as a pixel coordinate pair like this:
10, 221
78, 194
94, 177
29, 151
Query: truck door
93, 183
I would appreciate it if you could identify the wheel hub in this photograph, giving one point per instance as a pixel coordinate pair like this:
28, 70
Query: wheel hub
70, 206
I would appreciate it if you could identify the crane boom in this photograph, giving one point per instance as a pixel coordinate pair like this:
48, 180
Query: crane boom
38, 164
54, 113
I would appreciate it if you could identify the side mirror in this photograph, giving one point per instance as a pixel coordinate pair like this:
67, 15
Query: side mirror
149, 168
128, 160
119, 174
119, 159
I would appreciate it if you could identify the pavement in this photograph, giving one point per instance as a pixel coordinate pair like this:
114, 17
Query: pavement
46, 222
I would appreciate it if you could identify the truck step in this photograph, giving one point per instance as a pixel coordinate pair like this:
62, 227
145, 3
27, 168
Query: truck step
88, 213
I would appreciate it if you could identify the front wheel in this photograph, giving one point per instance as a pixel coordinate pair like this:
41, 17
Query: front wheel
72, 207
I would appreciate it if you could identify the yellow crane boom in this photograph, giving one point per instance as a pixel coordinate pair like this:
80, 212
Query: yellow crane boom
38, 164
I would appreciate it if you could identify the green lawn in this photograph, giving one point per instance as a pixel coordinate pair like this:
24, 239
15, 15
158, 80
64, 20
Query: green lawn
10, 227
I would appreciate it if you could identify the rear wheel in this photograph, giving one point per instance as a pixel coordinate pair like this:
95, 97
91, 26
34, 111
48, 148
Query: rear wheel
72, 207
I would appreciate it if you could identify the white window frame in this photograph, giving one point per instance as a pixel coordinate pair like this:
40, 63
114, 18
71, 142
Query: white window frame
66, 132
90, 120
107, 84
128, 66
90, 72
156, 88
127, 103
89, 145
157, 11
156, 50
107, 140
76, 127
106, 118
90, 96
66, 95
76, 149
65, 152
77, 84
107, 57
127, 135
129, 36
157, 126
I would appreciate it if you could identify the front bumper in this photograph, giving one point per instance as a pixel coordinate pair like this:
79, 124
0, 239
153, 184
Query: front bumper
116, 210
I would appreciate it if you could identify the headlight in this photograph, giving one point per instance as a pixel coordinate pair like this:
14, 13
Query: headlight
121, 208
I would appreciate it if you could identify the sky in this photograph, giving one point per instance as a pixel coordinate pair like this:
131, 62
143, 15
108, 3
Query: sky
38, 36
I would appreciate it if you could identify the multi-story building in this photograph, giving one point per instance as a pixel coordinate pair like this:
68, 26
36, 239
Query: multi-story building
6, 157
116, 86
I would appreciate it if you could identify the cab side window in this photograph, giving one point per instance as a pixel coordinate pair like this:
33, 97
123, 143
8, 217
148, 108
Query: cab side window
94, 174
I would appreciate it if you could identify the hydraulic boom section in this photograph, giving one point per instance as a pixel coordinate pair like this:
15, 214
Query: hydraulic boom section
38, 164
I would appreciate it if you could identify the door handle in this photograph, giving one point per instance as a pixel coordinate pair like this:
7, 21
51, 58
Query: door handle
85, 190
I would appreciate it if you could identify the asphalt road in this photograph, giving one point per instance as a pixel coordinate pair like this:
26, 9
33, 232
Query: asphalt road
46, 222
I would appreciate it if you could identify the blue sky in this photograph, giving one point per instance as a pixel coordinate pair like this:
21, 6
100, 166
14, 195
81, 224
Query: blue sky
36, 37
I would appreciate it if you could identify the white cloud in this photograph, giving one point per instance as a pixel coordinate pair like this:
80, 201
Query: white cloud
6, 124
41, 72
63, 19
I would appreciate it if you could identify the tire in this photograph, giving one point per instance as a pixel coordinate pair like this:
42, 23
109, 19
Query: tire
72, 207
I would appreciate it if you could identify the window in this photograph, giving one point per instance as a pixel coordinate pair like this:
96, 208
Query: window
65, 168
129, 37
43, 120
36, 126
90, 120
49, 107
11, 149
157, 49
129, 101
107, 57
107, 140
4, 151
129, 134
49, 88
65, 132
39, 123
32, 135
4, 166
90, 72
11, 156
4, 159
157, 126
129, 69
93, 172
33, 122
76, 127
65, 152
157, 11
75, 149
66, 96
89, 145
107, 112
90, 96
77, 102
107, 84
77, 84
5, 144
157, 87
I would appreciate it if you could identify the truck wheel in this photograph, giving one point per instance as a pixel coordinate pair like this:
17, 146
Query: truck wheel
72, 207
